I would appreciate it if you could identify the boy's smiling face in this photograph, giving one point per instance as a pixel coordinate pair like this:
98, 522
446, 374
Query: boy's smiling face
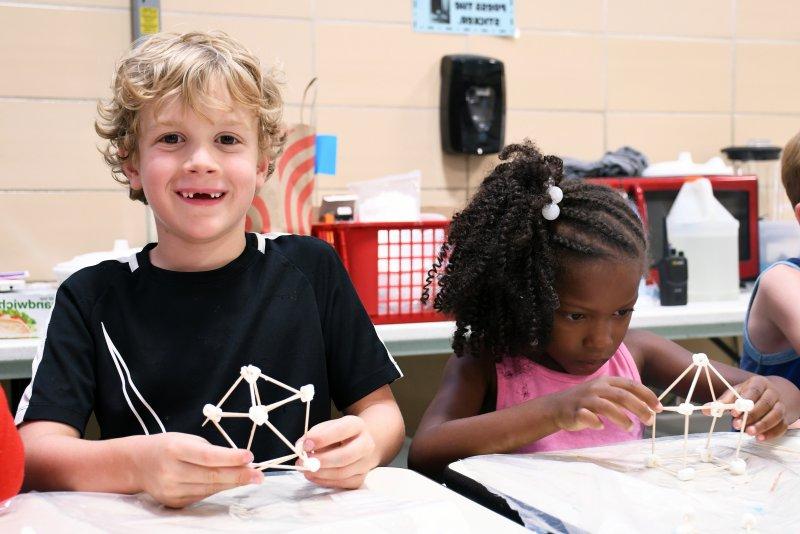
199, 173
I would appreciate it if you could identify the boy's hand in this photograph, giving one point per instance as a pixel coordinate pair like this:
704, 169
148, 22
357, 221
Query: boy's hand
179, 469
581, 406
345, 450
769, 417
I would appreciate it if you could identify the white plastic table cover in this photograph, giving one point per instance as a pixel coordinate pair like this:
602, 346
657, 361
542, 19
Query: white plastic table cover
609, 489
285, 502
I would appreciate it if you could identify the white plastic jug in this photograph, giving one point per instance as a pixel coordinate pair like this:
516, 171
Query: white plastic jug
708, 235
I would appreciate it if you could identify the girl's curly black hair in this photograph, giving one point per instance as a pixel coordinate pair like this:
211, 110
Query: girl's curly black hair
496, 273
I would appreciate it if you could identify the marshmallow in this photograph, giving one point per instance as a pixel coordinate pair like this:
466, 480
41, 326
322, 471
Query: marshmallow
250, 373
748, 521
716, 409
685, 408
687, 473
700, 359
312, 464
307, 393
652, 460
743, 405
258, 414
706, 456
212, 413
738, 466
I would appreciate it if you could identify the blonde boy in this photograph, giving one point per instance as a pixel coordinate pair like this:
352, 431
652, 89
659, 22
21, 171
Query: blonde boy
772, 326
193, 130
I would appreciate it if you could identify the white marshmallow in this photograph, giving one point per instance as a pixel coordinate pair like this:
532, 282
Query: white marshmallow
258, 414
738, 466
743, 405
685, 408
312, 464
250, 373
212, 413
748, 521
687, 473
706, 456
700, 359
307, 393
652, 460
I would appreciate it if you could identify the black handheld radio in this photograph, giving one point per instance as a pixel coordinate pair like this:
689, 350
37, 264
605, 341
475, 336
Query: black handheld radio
673, 274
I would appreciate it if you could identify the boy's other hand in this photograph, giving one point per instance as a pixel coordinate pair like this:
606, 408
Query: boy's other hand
180, 469
345, 449
581, 406
769, 417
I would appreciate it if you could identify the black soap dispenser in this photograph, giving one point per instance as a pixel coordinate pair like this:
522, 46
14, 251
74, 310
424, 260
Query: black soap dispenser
472, 111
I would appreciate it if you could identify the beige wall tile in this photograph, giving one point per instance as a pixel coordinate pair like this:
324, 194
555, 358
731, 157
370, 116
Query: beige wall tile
78, 62
559, 72
374, 65
51, 144
363, 10
283, 43
581, 15
767, 77
775, 128
274, 8
578, 135
48, 228
379, 142
659, 75
774, 19
661, 137
709, 18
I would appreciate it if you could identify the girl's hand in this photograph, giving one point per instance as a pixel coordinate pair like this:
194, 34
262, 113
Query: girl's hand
769, 417
581, 406
179, 469
345, 450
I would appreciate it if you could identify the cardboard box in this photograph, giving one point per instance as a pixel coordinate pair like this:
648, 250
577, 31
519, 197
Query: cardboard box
26, 313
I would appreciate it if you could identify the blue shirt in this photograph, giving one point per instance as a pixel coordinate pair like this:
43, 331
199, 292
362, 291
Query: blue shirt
785, 363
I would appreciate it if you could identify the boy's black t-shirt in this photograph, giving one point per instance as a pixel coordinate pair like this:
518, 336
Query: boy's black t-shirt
290, 310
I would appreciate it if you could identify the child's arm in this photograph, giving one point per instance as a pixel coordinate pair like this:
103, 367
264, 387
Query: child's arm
776, 306
176, 469
370, 434
453, 426
777, 401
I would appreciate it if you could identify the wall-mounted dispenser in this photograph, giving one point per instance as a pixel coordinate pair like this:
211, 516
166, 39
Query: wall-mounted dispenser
472, 110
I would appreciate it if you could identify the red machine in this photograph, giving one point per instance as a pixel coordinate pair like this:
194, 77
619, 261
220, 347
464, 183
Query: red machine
654, 197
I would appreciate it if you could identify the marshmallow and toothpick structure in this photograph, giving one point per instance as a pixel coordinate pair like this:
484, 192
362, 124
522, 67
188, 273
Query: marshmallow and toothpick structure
259, 415
737, 466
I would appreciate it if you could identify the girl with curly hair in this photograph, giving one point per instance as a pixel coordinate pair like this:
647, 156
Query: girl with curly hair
542, 277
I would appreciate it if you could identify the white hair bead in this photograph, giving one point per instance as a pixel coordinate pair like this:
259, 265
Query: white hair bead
556, 194
550, 212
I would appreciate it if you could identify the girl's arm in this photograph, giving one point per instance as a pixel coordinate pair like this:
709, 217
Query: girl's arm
660, 361
453, 426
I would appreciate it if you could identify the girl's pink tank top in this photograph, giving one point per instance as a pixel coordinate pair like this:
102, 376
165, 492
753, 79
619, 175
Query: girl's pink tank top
519, 379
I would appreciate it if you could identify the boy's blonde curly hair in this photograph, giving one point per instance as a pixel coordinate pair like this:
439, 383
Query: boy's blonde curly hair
166, 65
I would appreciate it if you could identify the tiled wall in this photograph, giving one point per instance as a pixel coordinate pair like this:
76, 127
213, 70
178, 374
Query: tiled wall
585, 76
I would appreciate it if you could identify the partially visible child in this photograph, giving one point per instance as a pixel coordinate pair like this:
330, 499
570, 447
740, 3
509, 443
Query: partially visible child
12, 461
772, 324
542, 289
193, 130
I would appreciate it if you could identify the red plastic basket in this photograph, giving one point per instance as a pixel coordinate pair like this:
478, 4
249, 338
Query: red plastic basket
388, 264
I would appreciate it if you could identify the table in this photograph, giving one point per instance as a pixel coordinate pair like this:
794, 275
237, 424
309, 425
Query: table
610, 489
392, 501
695, 320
